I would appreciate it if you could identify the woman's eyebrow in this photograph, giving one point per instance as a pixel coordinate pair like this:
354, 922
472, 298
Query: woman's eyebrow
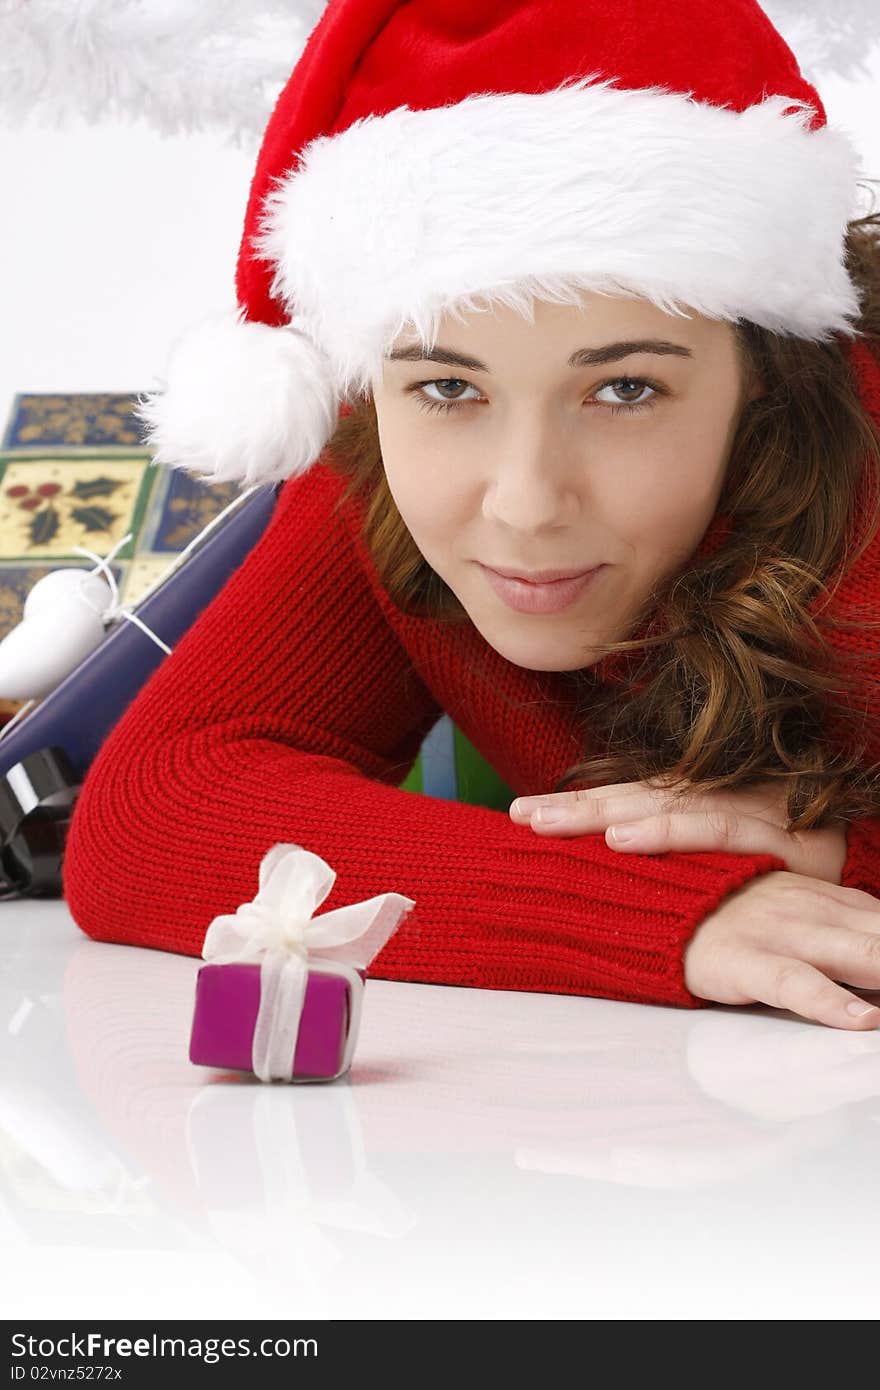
583, 357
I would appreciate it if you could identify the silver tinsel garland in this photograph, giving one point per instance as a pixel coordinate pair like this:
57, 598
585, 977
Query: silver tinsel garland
219, 65
178, 65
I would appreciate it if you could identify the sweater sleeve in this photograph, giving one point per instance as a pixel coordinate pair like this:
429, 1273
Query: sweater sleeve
861, 867
860, 595
290, 711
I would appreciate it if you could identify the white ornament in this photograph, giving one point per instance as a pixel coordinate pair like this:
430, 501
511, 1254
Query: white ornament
37, 655
64, 619
59, 589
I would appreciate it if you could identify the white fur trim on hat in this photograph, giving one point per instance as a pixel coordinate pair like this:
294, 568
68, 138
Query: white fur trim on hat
502, 196
241, 402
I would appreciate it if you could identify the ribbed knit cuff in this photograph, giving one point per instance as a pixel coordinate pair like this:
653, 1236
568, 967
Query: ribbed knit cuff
861, 868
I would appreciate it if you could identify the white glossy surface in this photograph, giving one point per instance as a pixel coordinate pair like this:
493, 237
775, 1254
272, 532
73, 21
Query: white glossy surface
491, 1154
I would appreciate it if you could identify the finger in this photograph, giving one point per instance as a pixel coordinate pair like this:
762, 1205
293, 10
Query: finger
575, 801
728, 831
855, 898
763, 799
848, 954
827, 896
795, 985
589, 817
841, 941
816, 929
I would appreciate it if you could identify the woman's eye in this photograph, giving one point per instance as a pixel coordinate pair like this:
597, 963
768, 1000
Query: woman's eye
623, 384
443, 403
630, 403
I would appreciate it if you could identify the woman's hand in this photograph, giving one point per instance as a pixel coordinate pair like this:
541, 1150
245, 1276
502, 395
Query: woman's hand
785, 940
744, 821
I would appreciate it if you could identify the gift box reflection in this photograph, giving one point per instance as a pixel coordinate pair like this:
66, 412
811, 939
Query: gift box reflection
55, 1166
230, 1156
262, 1169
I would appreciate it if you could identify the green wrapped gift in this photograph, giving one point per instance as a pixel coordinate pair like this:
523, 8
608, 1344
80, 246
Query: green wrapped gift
449, 766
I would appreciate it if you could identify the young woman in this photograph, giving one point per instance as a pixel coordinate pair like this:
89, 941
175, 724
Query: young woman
499, 315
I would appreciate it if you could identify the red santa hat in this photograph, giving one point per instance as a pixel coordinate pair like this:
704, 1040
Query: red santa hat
435, 156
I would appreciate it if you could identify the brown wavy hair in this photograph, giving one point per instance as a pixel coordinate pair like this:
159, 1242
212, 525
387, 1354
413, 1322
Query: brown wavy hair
736, 683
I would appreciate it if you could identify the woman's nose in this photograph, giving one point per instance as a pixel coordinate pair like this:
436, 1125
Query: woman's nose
533, 483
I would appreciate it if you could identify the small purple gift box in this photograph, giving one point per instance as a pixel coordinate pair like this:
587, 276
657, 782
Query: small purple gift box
226, 1008
281, 993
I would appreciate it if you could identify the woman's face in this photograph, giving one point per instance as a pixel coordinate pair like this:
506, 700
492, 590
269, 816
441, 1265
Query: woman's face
538, 464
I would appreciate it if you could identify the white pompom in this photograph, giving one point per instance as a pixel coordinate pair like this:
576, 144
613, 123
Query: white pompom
242, 402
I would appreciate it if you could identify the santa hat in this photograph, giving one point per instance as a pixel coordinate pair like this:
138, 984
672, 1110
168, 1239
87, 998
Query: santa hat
425, 157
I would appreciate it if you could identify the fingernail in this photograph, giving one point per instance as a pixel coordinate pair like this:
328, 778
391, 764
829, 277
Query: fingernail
858, 1008
550, 815
623, 834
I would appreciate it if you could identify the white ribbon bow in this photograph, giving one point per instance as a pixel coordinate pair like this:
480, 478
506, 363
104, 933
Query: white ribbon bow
277, 929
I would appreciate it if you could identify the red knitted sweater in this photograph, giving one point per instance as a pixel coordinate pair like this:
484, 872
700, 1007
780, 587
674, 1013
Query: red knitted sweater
292, 709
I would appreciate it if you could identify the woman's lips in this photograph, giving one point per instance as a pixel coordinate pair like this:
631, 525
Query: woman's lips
540, 598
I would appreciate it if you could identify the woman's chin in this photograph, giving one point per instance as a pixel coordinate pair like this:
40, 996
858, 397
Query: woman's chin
535, 651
